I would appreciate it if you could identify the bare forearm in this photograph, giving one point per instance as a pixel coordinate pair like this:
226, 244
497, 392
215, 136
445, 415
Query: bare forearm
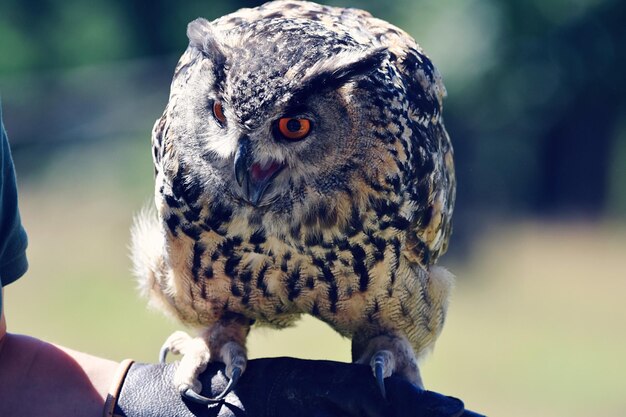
40, 379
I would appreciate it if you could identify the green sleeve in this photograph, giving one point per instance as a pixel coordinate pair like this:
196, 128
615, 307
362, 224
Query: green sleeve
13, 240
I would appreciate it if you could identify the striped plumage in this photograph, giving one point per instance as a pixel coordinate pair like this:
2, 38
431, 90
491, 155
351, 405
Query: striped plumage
355, 215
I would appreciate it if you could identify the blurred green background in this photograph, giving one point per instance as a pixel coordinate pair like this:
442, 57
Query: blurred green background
536, 111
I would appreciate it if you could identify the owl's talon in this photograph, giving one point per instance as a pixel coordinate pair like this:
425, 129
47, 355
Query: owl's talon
379, 370
382, 364
201, 399
165, 349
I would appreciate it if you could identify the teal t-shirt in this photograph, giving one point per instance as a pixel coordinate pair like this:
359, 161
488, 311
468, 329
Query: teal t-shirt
13, 240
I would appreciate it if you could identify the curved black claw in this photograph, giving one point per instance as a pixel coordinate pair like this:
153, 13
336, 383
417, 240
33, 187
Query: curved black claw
163, 353
379, 370
201, 399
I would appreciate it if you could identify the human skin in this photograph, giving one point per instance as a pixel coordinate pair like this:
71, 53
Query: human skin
38, 378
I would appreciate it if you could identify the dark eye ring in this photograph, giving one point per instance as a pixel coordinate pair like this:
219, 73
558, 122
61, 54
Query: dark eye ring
218, 113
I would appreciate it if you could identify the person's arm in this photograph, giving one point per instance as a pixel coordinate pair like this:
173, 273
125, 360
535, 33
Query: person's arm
41, 379
38, 378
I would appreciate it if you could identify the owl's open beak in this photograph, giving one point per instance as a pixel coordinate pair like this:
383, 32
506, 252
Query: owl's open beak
253, 177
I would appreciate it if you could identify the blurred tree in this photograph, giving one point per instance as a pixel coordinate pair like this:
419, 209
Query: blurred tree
572, 91
537, 130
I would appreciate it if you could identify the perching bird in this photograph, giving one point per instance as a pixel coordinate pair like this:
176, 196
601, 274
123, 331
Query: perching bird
302, 166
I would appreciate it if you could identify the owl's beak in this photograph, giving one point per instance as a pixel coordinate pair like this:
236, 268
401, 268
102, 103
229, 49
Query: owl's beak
253, 177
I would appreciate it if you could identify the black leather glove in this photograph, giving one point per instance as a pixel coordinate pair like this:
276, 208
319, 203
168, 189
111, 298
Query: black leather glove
282, 387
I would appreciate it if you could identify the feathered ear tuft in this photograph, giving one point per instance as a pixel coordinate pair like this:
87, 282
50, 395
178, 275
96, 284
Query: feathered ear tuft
201, 36
338, 70
352, 66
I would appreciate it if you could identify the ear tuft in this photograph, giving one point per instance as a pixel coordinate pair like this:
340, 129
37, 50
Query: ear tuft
342, 68
360, 66
332, 73
197, 31
201, 36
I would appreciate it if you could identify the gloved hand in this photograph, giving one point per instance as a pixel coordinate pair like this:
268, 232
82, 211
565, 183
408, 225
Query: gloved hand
277, 387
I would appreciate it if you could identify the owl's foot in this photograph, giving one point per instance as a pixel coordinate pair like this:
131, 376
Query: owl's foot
196, 353
389, 355
195, 357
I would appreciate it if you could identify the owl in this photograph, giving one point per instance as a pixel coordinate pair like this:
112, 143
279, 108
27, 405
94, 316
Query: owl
302, 167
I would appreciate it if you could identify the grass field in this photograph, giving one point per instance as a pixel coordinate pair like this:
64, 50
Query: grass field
537, 326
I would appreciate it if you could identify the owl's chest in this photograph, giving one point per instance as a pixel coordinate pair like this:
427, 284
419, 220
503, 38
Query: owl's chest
273, 280
227, 259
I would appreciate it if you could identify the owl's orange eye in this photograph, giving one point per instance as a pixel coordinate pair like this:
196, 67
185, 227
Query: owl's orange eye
293, 128
218, 112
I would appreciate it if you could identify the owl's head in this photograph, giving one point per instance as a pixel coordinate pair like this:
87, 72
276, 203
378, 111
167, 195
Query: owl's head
283, 116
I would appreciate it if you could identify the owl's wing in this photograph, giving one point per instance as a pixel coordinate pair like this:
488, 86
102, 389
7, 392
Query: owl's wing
430, 181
